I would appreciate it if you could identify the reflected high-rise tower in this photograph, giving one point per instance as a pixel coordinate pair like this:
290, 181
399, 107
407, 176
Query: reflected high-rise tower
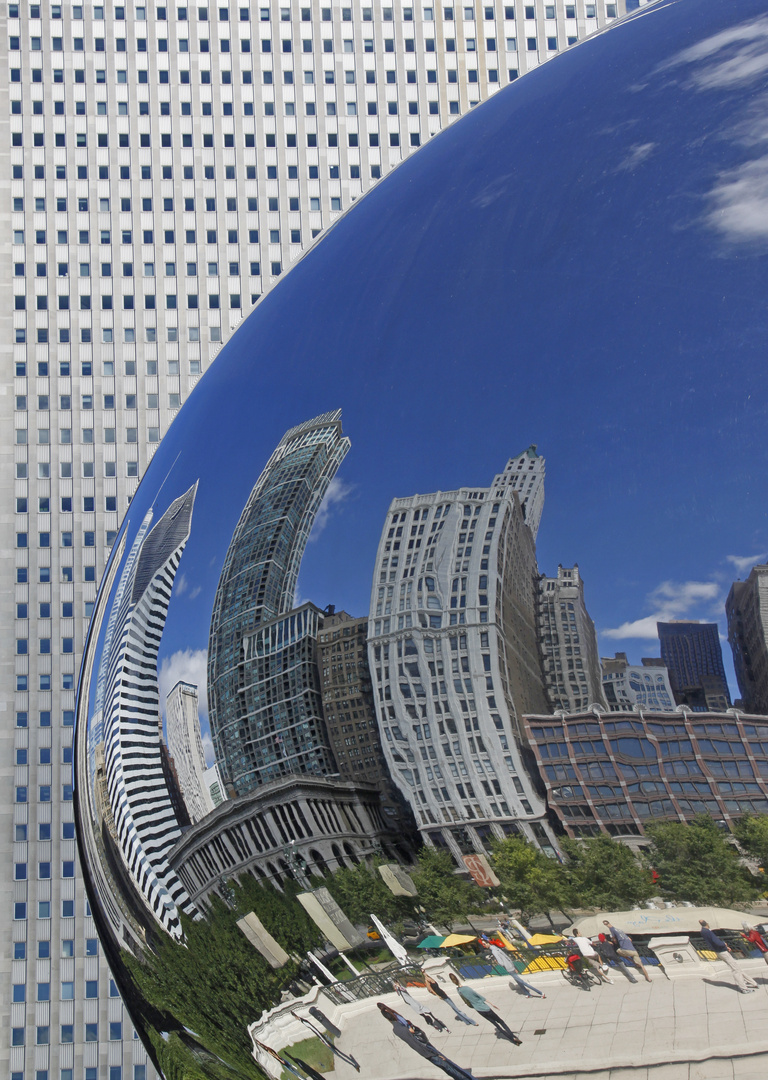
144, 821
257, 585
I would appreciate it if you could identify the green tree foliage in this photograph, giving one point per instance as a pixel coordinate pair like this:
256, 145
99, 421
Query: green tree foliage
530, 880
444, 896
752, 836
696, 862
216, 983
602, 872
361, 890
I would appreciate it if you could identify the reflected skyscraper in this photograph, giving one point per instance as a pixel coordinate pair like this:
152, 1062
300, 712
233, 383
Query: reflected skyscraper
145, 824
256, 587
454, 656
747, 612
692, 653
185, 746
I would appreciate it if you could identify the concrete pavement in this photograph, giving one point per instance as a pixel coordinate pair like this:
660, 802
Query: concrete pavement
693, 1028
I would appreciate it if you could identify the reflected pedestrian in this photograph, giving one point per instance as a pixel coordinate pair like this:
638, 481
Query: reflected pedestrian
588, 954
723, 952
417, 1007
503, 959
478, 1002
417, 1040
624, 947
754, 937
607, 952
326, 1041
285, 1064
435, 988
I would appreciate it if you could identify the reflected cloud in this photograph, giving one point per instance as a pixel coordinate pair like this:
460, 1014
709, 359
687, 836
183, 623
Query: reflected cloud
635, 156
669, 601
740, 198
338, 492
189, 666
732, 58
744, 563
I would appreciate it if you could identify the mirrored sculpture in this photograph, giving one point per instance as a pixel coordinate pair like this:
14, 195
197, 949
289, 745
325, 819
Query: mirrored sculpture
580, 264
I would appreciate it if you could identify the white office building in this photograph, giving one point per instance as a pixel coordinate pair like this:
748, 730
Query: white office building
185, 745
164, 165
568, 643
454, 657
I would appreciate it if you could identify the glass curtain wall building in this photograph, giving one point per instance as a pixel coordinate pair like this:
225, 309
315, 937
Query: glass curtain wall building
165, 166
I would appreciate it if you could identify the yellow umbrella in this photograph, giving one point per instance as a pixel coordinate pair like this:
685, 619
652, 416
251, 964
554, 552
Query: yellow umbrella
458, 939
545, 939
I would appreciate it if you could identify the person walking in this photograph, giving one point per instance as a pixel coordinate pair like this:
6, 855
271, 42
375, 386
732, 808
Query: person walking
723, 952
412, 1003
417, 1040
607, 952
755, 938
435, 988
624, 947
478, 1002
588, 954
503, 959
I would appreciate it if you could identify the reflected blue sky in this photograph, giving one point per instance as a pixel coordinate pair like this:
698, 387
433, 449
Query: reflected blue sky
579, 263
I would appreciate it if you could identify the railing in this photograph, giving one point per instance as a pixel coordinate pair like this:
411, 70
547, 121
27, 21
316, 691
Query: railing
525, 959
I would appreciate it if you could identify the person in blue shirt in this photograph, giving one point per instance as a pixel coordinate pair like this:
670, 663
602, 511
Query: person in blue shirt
723, 952
624, 947
478, 1002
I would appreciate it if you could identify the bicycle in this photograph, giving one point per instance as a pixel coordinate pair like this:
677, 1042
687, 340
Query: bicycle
580, 975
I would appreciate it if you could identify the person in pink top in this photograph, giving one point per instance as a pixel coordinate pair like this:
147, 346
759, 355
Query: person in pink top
756, 939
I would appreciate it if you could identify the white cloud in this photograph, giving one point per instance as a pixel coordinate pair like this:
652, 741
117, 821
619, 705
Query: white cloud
744, 563
739, 202
337, 493
182, 587
735, 57
670, 600
635, 156
210, 753
187, 665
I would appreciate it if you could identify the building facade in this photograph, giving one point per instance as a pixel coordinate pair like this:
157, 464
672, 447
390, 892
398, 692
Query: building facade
185, 745
568, 643
454, 657
146, 824
165, 165
747, 611
645, 685
257, 587
350, 715
694, 659
616, 772
298, 826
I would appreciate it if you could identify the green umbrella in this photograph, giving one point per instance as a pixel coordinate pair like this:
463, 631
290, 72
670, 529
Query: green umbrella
431, 942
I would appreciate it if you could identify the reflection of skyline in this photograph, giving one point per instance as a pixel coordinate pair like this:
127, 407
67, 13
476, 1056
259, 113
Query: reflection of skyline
256, 587
144, 822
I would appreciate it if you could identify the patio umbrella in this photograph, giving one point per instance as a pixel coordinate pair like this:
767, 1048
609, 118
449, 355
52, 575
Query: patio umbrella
431, 942
545, 939
457, 939
394, 946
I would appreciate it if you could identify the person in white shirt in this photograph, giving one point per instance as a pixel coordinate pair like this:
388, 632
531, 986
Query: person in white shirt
590, 957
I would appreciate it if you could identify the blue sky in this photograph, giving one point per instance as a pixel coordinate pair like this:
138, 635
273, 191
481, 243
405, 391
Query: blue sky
580, 263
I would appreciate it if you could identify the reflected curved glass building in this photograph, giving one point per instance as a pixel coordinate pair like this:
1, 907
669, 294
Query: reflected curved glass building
257, 585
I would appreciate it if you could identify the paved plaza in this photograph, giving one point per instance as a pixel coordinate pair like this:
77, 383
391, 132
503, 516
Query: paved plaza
689, 1028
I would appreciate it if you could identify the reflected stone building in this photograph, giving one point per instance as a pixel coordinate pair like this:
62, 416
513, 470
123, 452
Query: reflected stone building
645, 685
692, 653
747, 612
568, 642
145, 824
257, 587
454, 655
616, 772
350, 715
296, 826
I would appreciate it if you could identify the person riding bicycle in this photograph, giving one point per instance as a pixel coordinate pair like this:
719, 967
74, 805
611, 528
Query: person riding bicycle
587, 955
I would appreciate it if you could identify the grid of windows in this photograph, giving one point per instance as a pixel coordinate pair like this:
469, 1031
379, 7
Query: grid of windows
166, 165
